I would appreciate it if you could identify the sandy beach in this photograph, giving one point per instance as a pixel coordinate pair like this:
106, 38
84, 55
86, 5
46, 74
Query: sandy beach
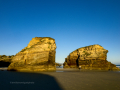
60, 80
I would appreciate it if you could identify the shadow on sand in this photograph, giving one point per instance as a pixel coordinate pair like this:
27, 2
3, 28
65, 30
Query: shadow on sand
10, 80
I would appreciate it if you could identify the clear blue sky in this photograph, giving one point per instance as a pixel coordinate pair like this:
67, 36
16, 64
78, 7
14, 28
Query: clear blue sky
72, 23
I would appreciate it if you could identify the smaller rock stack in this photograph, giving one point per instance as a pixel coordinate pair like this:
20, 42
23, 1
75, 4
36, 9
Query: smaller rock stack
91, 57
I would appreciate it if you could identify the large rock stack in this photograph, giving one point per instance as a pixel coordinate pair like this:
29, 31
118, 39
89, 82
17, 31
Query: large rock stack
39, 55
91, 57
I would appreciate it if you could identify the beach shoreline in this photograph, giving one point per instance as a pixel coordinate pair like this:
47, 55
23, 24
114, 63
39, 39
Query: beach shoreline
61, 79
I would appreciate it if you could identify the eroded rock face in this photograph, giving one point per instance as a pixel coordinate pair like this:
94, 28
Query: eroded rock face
39, 55
89, 57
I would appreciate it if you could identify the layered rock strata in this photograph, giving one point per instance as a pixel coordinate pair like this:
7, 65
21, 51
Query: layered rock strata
91, 57
39, 55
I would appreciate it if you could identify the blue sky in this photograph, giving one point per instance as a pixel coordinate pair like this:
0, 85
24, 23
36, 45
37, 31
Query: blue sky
72, 23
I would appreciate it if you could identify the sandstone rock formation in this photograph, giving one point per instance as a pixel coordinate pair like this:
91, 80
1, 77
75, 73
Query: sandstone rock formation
5, 60
91, 57
39, 55
58, 64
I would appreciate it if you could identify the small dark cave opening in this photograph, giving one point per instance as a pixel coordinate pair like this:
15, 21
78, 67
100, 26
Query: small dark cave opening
4, 64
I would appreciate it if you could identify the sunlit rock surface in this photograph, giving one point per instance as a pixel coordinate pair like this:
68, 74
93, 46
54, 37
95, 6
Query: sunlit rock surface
39, 55
91, 57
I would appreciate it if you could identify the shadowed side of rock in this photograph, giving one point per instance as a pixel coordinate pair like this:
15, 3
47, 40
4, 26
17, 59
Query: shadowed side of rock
5, 60
39, 55
91, 57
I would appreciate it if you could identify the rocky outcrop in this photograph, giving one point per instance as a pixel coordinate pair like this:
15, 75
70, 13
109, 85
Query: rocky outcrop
91, 57
39, 55
58, 64
5, 60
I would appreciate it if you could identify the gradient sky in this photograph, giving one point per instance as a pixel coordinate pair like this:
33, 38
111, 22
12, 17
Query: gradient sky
72, 23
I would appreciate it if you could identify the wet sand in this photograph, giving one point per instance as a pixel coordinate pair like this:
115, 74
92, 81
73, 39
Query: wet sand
63, 79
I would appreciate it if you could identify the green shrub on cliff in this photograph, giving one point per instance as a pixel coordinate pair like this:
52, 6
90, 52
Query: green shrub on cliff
48, 46
42, 40
86, 53
49, 42
23, 50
